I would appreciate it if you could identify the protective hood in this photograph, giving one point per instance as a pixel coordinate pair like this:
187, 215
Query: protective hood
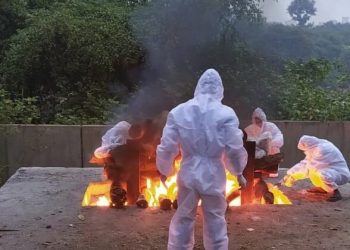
307, 142
118, 135
114, 137
258, 113
210, 86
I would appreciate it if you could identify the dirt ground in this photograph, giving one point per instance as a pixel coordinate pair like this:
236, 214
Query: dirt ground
42, 205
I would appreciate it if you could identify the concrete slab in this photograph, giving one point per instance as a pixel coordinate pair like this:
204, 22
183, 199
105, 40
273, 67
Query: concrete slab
43, 205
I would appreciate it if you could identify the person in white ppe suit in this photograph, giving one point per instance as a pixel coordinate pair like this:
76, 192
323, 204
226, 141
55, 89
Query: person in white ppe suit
114, 137
268, 137
206, 132
324, 165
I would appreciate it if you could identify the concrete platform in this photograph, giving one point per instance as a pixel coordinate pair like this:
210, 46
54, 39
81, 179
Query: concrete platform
43, 206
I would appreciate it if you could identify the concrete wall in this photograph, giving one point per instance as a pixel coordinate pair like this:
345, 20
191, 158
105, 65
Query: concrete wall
336, 132
72, 146
91, 140
40, 146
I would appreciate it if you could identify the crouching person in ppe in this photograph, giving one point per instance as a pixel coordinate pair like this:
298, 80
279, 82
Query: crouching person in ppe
206, 132
268, 137
324, 165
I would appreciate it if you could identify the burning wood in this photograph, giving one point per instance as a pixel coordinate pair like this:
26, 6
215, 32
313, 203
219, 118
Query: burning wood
142, 202
165, 203
248, 173
97, 194
257, 190
232, 196
268, 164
175, 204
124, 163
123, 167
118, 197
131, 168
262, 192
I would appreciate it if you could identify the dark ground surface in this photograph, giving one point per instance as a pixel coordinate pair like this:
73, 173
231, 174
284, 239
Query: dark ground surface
44, 206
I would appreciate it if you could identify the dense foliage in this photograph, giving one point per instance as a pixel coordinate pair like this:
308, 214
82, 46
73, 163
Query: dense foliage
83, 62
19, 110
66, 57
302, 97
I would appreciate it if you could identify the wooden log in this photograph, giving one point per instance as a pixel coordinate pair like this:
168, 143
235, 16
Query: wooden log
269, 197
269, 163
247, 193
118, 197
141, 202
175, 206
261, 190
165, 203
133, 183
126, 163
233, 195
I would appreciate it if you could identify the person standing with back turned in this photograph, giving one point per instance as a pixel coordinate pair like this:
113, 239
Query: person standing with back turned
206, 132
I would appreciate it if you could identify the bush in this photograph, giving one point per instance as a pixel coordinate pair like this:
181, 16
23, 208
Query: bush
18, 110
303, 97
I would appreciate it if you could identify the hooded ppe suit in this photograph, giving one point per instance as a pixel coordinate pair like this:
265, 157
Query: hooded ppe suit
268, 132
206, 132
114, 137
324, 164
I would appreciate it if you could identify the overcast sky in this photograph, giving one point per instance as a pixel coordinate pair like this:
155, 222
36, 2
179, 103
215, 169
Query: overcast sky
326, 10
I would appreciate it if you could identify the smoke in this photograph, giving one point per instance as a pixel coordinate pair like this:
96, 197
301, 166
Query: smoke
182, 39
172, 32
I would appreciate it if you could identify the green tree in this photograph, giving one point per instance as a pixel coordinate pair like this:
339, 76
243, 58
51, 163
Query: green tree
303, 98
12, 16
302, 10
69, 54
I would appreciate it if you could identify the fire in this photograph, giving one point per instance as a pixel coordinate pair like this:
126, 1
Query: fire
156, 190
102, 201
97, 194
236, 202
280, 197
232, 186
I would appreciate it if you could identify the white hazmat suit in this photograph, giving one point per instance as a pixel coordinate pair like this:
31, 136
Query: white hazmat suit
114, 137
206, 132
324, 164
268, 132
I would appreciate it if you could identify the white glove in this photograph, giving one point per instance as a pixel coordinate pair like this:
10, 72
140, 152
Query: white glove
242, 181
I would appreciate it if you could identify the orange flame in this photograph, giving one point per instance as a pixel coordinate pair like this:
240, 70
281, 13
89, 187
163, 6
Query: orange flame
102, 201
97, 194
231, 186
155, 189
279, 197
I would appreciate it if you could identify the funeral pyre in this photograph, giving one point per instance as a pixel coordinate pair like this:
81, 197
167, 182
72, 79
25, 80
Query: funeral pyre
132, 179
